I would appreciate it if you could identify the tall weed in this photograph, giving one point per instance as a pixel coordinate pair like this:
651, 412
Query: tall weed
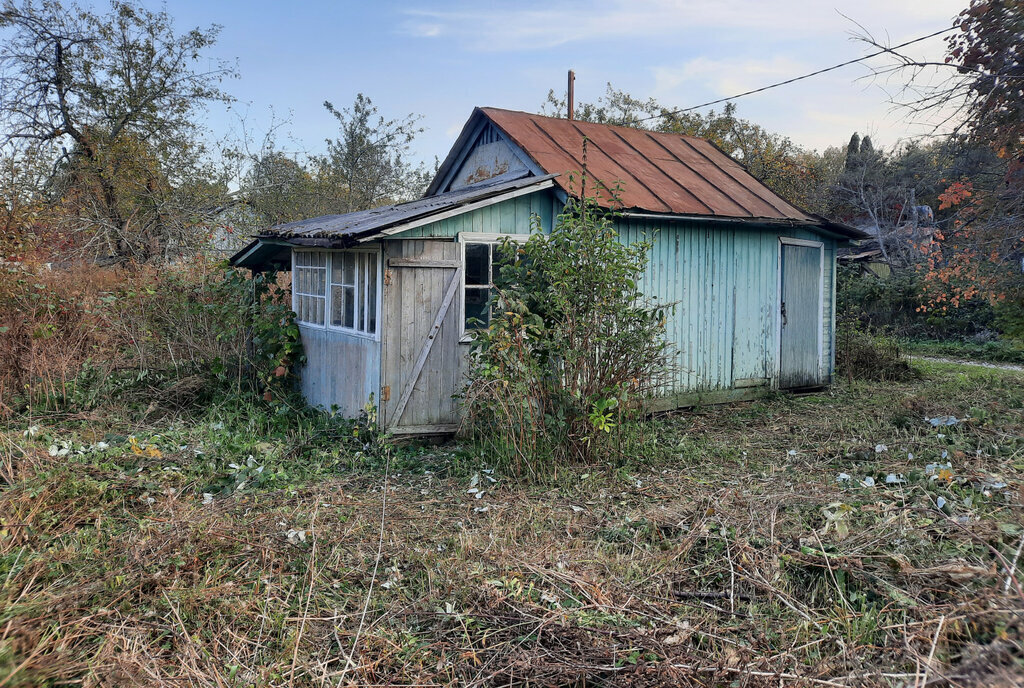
74, 336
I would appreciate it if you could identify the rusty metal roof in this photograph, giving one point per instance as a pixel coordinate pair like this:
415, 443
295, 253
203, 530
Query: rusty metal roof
661, 173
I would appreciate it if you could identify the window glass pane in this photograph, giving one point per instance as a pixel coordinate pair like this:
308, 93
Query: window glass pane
476, 307
337, 302
348, 318
336, 264
361, 293
371, 293
478, 268
349, 269
497, 260
320, 303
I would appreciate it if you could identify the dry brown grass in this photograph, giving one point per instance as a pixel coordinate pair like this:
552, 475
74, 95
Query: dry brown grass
713, 568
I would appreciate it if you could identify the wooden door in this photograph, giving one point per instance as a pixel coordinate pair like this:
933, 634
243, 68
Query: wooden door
800, 311
420, 366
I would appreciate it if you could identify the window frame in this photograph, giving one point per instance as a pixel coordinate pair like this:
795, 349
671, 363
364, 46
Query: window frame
297, 295
328, 296
490, 239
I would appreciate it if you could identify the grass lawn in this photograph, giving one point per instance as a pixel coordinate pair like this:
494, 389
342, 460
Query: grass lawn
999, 351
217, 548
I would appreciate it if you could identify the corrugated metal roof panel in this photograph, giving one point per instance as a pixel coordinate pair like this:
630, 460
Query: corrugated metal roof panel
659, 172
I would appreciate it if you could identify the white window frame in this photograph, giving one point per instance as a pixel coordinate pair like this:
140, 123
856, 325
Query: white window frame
489, 238
297, 294
331, 254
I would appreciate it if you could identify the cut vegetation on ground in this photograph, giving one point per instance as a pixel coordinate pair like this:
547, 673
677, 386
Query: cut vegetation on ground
867, 536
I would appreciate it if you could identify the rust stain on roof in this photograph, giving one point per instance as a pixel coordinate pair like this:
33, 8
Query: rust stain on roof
658, 172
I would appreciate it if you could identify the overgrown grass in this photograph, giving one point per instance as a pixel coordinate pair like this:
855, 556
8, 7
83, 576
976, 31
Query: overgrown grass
731, 556
866, 355
996, 351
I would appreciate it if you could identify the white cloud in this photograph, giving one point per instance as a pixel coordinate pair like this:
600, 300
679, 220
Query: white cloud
526, 27
424, 29
724, 77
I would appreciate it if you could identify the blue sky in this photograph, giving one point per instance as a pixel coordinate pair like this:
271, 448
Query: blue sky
441, 59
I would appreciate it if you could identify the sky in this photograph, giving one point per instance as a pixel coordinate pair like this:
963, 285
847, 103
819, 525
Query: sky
438, 60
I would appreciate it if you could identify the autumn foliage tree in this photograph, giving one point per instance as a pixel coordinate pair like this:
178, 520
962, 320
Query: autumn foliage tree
979, 256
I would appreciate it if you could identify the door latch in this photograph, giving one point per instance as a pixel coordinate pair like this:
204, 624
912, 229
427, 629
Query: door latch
783, 313
385, 393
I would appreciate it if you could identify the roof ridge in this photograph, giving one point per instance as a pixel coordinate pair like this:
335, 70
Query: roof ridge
485, 109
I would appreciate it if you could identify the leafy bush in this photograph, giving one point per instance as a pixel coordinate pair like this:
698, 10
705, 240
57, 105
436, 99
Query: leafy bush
572, 350
892, 304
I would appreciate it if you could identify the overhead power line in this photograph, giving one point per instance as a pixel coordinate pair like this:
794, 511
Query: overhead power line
799, 78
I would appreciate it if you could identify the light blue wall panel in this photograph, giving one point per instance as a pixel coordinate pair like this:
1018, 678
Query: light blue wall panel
722, 282
341, 370
512, 216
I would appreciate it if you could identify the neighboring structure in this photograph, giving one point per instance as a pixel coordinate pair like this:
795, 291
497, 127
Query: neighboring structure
385, 297
906, 244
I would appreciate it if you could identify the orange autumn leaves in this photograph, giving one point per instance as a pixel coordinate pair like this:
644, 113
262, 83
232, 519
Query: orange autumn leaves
958, 267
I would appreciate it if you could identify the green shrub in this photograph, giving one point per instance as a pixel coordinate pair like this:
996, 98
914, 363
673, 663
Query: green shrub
79, 336
572, 350
892, 305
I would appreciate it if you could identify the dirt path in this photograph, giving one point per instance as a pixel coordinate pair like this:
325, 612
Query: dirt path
963, 361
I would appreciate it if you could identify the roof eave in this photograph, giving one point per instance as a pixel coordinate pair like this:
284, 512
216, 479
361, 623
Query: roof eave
834, 229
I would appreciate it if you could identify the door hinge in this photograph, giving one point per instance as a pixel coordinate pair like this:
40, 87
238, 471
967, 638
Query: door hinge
385, 393
387, 277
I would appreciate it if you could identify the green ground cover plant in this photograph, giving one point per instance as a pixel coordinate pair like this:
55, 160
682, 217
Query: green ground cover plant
837, 539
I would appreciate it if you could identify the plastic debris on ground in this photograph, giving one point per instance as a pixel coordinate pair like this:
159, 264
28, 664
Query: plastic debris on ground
940, 421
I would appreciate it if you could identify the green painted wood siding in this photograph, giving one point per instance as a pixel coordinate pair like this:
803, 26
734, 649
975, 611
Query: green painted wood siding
722, 279
723, 284
506, 217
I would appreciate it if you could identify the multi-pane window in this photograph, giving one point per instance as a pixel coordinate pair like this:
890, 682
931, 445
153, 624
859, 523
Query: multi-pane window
354, 291
482, 264
337, 289
309, 286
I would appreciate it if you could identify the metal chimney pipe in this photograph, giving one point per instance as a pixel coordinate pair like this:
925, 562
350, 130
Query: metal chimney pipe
572, 80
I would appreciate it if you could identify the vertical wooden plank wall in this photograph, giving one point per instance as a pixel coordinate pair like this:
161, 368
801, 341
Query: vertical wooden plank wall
723, 282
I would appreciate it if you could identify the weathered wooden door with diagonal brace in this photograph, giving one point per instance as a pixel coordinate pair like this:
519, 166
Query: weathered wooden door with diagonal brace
421, 364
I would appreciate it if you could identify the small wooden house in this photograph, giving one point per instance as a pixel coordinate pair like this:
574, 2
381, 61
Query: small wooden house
385, 297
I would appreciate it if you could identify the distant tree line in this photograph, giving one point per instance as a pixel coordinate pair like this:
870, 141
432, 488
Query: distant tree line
102, 156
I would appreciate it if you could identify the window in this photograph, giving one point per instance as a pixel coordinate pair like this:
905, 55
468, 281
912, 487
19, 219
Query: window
309, 284
354, 291
336, 289
482, 264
